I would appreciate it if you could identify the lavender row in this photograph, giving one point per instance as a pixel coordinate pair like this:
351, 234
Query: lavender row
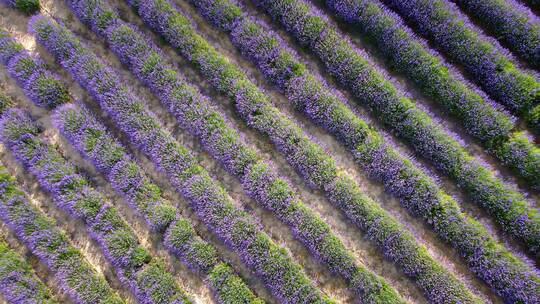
18, 281
39, 232
320, 170
148, 279
283, 277
515, 26
26, 6
94, 142
126, 177
38, 83
146, 276
306, 157
440, 22
419, 264
501, 200
480, 118
259, 179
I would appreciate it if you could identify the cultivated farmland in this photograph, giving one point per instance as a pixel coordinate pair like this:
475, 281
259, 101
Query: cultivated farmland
269, 151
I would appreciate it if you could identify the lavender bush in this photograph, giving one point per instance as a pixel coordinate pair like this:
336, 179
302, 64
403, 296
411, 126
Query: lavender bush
440, 22
515, 26
18, 281
491, 127
76, 276
284, 278
498, 267
37, 82
501, 200
26, 6
146, 276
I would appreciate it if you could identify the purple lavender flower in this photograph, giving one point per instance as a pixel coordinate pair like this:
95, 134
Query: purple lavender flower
8, 46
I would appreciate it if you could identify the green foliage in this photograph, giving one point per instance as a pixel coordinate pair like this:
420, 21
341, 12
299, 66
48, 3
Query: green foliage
230, 286
5, 103
27, 6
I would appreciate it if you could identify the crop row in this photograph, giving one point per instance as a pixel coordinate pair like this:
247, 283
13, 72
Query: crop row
319, 169
93, 141
277, 195
125, 176
491, 127
38, 83
25, 6
441, 23
517, 29
18, 281
135, 267
502, 201
39, 232
72, 192
258, 178
283, 277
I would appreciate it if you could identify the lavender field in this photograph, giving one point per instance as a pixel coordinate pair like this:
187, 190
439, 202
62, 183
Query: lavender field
269, 151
